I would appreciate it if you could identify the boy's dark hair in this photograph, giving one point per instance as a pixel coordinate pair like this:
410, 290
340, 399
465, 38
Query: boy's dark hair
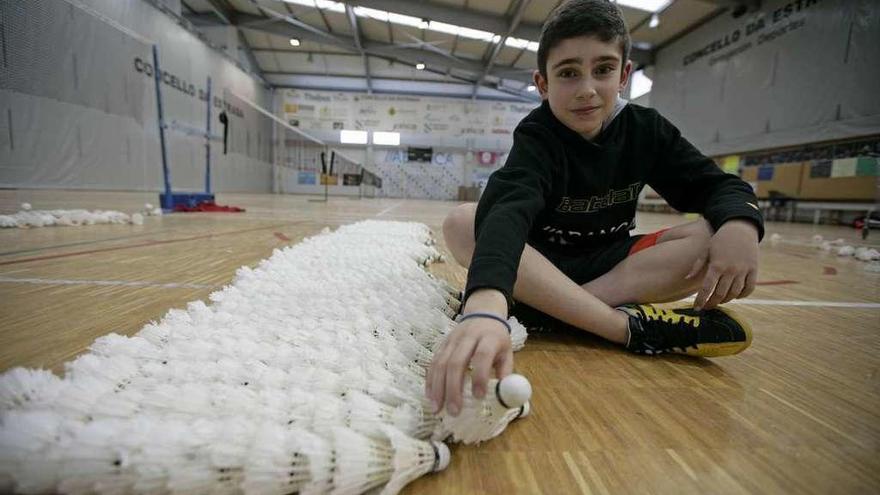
599, 18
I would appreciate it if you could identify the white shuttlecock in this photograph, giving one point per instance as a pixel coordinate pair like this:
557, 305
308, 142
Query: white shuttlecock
28, 388
838, 242
846, 251
518, 334
183, 405
866, 254
288, 460
137, 219
775, 238
148, 206
365, 463
413, 459
482, 419
817, 239
825, 246
26, 206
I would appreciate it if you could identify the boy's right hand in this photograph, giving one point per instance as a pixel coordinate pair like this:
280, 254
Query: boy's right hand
481, 342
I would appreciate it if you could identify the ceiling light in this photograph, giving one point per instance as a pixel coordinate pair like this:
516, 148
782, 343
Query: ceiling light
352, 137
386, 138
420, 66
294, 42
655, 21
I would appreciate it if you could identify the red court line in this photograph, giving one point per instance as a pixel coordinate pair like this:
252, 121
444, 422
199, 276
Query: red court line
142, 244
777, 282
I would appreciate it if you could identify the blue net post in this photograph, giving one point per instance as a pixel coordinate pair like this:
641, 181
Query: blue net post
166, 199
208, 142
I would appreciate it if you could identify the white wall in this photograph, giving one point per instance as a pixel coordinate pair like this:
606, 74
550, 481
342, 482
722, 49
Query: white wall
77, 103
792, 72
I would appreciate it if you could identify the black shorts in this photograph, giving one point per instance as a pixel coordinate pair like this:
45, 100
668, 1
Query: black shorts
583, 267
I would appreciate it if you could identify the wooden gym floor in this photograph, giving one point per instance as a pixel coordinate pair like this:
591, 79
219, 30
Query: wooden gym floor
799, 412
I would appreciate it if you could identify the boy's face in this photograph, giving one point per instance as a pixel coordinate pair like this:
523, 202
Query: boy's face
584, 76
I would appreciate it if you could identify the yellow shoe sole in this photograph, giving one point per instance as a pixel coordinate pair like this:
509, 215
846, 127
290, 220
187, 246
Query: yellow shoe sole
726, 348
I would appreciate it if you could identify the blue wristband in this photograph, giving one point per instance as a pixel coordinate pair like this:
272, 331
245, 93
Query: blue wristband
491, 316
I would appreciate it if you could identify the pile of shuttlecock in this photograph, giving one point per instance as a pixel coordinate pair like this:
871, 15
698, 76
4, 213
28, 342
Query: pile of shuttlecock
27, 217
840, 248
304, 375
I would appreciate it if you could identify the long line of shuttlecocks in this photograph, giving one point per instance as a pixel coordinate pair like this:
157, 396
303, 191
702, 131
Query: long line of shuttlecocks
306, 374
27, 217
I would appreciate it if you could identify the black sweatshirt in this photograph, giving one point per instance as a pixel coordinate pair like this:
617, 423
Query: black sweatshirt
560, 192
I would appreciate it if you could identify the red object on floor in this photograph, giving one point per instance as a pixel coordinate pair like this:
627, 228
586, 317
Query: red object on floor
208, 206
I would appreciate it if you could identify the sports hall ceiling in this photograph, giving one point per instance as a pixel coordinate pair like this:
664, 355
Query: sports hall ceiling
468, 48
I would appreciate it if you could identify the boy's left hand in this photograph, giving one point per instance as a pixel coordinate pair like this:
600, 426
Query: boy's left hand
733, 265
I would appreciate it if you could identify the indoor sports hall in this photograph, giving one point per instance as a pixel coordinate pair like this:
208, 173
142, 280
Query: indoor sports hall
223, 266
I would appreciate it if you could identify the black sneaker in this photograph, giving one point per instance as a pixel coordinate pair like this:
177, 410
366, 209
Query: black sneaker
712, 333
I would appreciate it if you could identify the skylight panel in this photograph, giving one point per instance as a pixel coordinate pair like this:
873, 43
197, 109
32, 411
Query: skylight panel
407, 20
379, 15
416, 22
476, 34
646, 5
521, 43
321, 4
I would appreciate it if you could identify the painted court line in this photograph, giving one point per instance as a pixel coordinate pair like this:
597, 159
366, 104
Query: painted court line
80, 243
386, 210
806, 413
142, 244
810, 304
126, 283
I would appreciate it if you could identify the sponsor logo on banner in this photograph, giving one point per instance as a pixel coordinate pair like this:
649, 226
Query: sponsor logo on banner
306, 178
487, 157
329, 180
757, 29
351, 179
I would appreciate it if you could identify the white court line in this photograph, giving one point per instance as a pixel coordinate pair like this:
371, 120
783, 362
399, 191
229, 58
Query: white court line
812, 304
49, 281
746, 302
386, 210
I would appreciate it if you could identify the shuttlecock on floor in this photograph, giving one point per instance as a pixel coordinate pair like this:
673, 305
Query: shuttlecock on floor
413, 459
288, 460
365, 463
838, 242
866, 254
26, 206
775, 238
825, 246
817, 239
482, 419
148, 206
137, 219
846, 251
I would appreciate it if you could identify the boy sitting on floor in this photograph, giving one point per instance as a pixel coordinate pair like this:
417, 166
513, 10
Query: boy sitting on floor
552, 229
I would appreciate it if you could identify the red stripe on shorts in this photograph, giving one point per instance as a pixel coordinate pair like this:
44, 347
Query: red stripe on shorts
646, 241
